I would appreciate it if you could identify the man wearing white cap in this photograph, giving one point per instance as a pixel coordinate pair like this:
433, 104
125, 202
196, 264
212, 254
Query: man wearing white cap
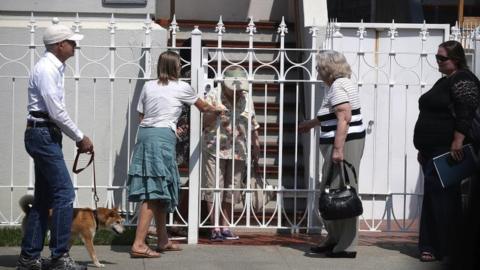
47, 119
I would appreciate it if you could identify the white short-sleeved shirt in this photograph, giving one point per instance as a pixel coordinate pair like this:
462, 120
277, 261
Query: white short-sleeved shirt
341, 91
162, 104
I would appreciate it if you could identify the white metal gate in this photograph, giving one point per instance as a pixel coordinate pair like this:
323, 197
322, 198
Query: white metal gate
392, 63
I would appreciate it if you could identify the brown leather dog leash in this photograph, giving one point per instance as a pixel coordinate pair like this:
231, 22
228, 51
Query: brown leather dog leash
77, 171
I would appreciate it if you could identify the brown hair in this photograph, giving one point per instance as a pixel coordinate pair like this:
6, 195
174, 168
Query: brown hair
168, 67
456, 53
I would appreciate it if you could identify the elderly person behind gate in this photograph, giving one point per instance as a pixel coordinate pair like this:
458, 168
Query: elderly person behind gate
153, 178
233, 147
342, 137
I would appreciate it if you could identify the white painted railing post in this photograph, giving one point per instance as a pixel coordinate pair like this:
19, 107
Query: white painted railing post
76, 28
251, 30
312, 153
195, 146
282, 30
32, 48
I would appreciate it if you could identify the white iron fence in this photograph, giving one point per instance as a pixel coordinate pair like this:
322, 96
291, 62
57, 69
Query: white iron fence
393, 65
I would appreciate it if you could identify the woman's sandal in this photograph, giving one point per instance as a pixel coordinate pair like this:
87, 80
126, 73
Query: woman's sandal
426, 256
169, 247
147, 253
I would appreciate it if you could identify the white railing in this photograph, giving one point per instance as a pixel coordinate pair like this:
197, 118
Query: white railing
393, 64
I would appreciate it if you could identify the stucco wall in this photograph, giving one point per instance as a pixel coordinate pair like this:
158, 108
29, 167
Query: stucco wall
102, 101
81, 6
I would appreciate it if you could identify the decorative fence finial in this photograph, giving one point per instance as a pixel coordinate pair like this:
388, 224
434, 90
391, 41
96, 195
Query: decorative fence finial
282, 29
173, 28
251, 29
361, 33
147, 25
424, 34
33, 24
173, 25
76, 24
393, 30
336, 29
314, 29
456, 32
112, 25
220, 28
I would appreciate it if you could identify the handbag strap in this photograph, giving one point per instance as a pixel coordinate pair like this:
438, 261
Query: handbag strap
346, 178
77, 171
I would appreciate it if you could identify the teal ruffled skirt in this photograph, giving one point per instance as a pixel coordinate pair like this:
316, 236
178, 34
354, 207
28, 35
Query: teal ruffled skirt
153, 172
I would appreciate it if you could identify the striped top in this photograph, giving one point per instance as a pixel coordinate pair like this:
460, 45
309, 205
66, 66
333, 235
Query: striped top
341, 91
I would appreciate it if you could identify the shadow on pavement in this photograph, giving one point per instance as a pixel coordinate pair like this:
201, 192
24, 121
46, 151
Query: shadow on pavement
121, 249
8, 260
408, 249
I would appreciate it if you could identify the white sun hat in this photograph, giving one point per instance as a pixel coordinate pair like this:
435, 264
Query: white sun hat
58, 32
235, 79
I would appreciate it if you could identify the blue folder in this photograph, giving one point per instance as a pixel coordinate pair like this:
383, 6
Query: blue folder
452, 172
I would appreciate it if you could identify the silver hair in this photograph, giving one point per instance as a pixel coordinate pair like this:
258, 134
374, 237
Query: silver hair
332, 65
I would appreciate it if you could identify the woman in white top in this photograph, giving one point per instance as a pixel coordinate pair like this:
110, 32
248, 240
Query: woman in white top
342, 138
153, 178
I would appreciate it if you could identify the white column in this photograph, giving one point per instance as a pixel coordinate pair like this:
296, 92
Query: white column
195, 146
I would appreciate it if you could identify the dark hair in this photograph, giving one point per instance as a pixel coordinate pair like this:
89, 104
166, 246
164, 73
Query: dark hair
456, 53
168, 67
186, 55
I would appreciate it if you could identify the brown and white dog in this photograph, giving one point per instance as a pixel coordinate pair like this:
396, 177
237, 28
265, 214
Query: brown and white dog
85, 224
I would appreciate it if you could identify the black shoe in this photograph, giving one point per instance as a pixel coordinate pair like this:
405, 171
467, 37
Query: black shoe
65, 262
321, 249
341, 254
27, 263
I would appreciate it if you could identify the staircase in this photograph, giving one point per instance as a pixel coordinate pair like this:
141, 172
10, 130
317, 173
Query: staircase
266, 37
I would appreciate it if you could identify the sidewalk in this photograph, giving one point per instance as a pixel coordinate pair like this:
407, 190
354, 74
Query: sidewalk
376, 251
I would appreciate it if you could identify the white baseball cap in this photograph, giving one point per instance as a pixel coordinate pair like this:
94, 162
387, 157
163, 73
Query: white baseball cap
58, 32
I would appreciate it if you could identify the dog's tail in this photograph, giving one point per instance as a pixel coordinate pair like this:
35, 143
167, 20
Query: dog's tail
26, 202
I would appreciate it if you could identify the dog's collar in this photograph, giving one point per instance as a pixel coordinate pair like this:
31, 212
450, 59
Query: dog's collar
95, 215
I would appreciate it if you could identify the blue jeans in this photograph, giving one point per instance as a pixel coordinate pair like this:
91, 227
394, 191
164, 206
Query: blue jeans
53, 190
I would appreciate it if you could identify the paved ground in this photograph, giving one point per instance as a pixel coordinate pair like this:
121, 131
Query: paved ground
375, 252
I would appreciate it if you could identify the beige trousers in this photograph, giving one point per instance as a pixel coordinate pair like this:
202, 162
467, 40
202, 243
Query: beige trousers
342, 233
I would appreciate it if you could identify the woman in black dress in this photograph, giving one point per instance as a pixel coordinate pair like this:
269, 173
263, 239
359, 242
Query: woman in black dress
443, 125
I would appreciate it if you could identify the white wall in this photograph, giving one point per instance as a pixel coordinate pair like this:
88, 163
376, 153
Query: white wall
80, 6
101, 100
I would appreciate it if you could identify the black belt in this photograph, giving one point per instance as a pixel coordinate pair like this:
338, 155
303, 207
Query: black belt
37, 124
39, 114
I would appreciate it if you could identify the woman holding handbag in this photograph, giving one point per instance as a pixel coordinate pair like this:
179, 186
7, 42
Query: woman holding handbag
342, 139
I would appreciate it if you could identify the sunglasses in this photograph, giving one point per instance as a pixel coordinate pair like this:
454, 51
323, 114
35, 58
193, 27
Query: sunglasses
441, 58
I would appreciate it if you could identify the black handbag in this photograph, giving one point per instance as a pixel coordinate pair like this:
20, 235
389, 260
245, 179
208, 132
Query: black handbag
340, 203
